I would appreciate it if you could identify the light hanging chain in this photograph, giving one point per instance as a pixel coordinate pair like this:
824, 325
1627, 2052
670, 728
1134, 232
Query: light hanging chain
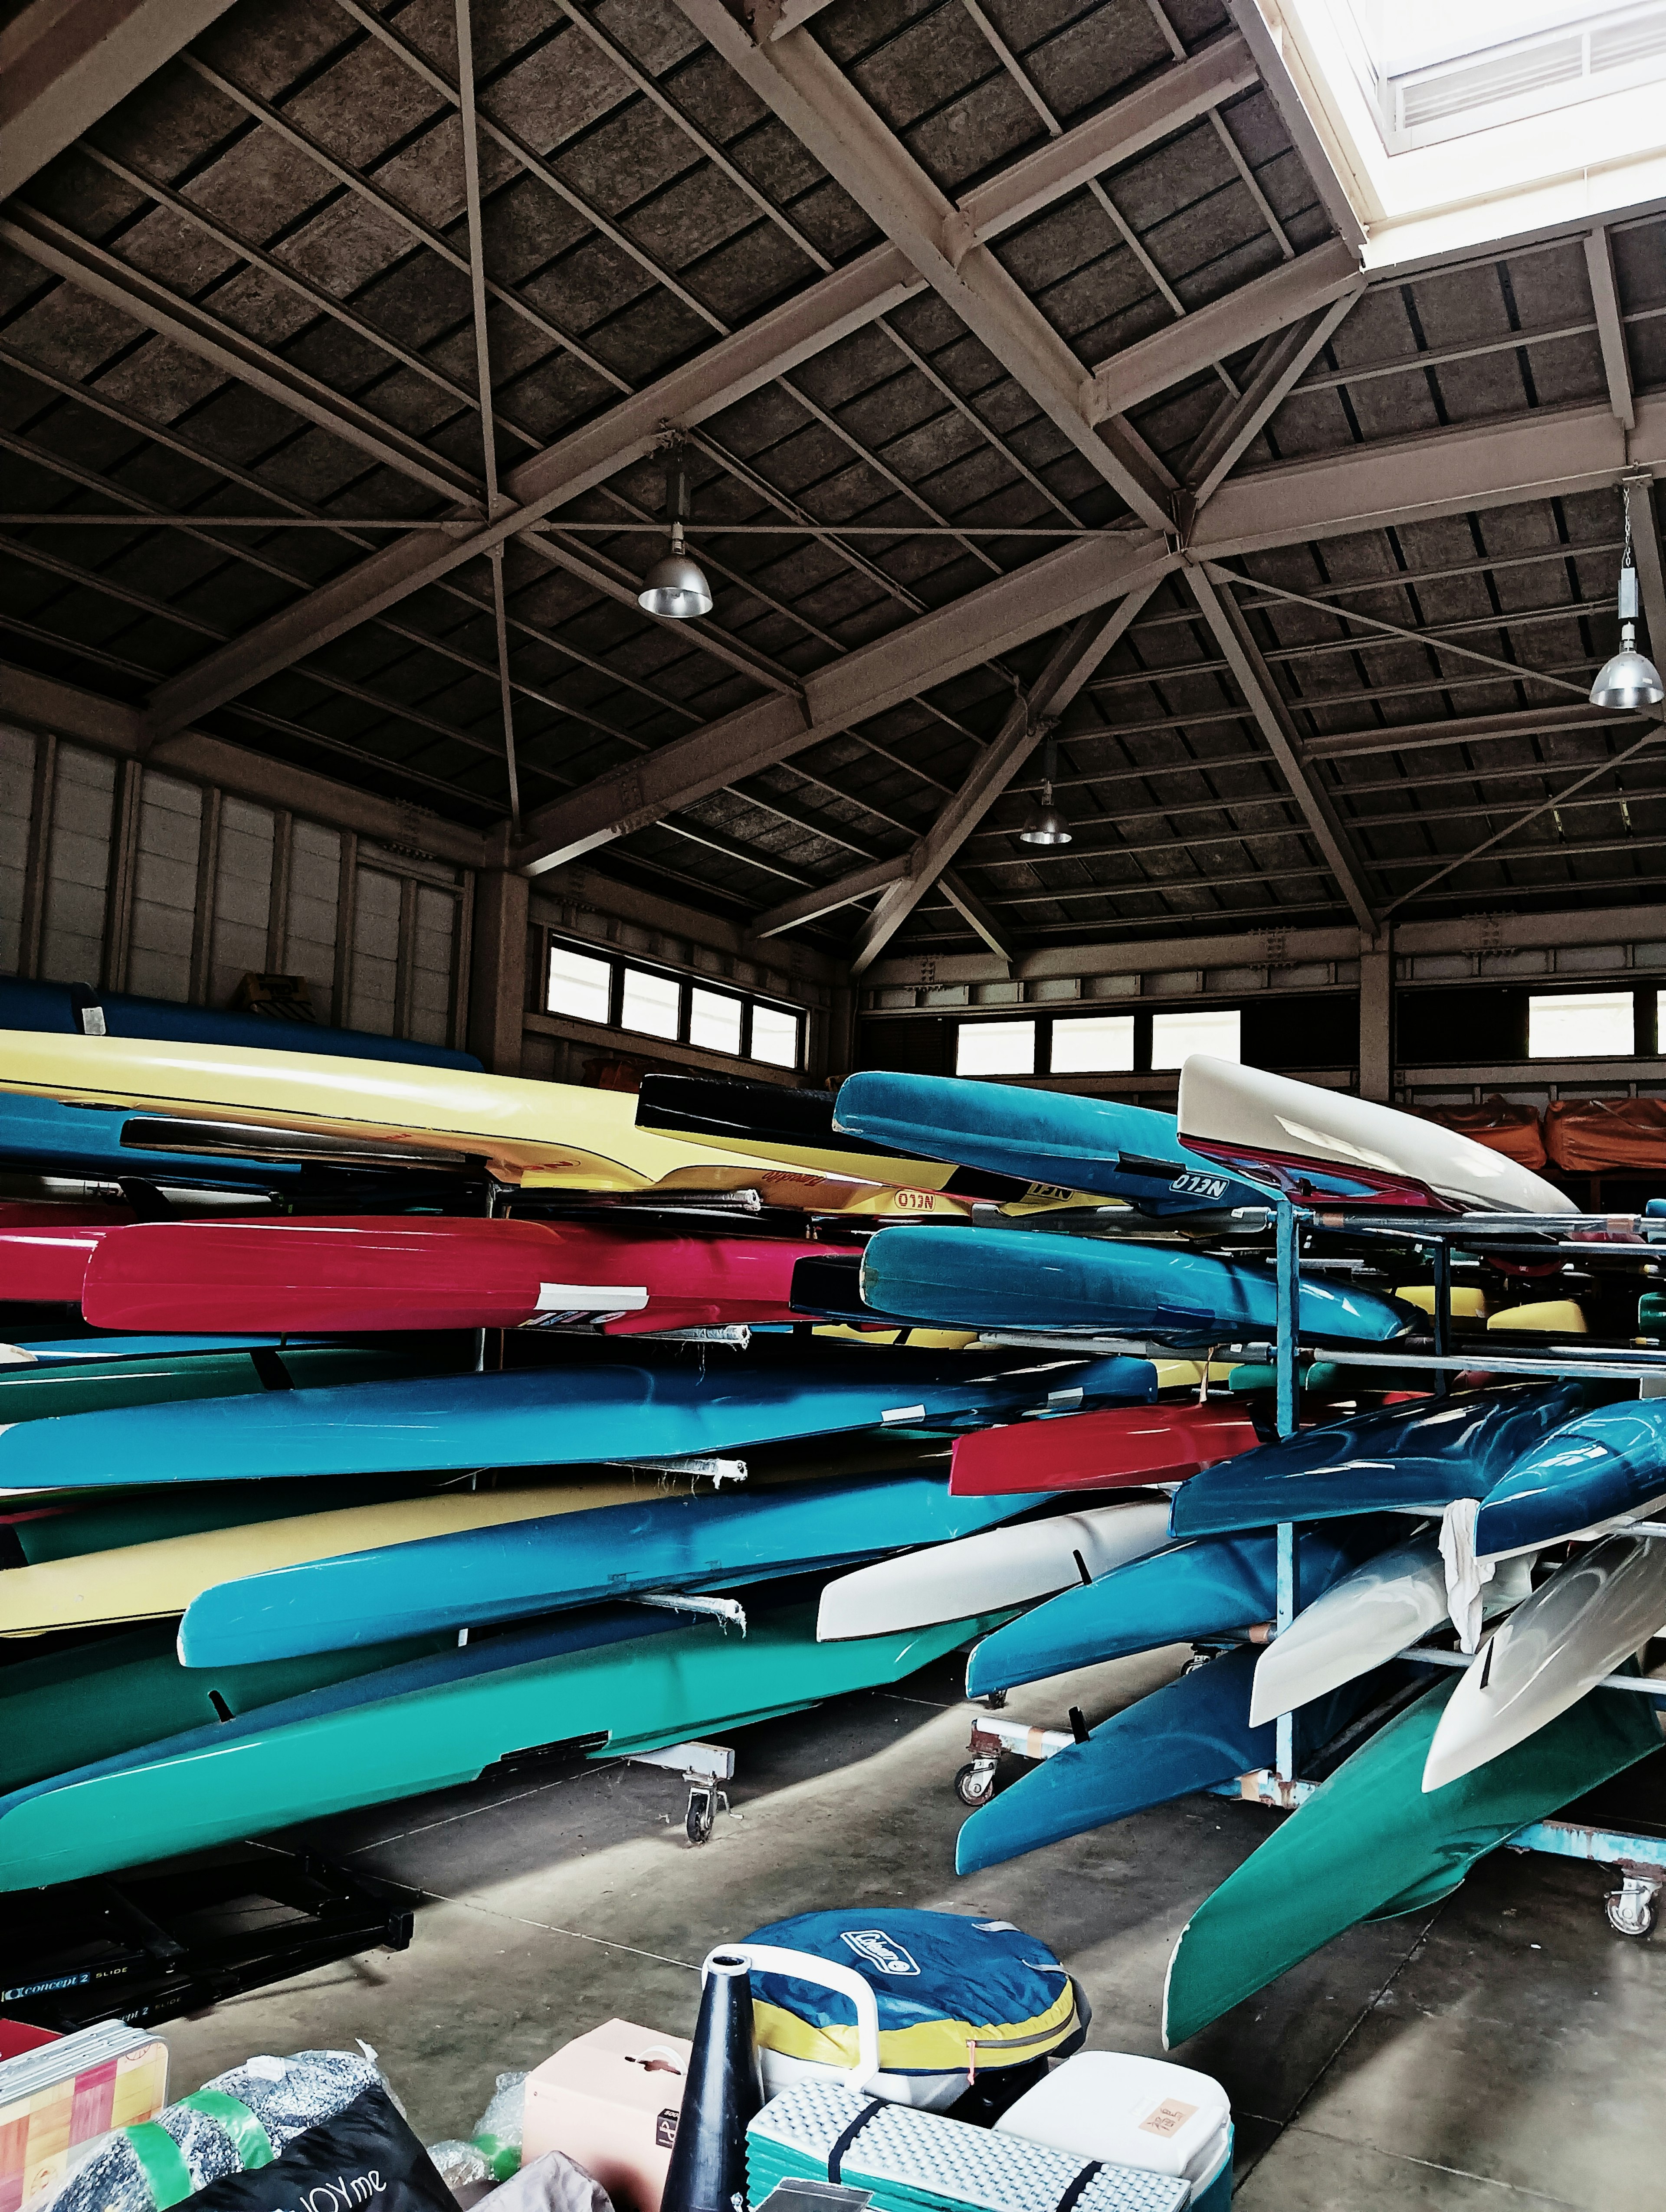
1630, 681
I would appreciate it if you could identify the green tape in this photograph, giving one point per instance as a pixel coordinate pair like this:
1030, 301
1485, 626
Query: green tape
502, 2158
254, 2145
164, 2165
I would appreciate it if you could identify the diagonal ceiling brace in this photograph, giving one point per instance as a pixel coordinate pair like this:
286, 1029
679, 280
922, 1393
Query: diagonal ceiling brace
1239, 422
1250, 673
1082, 647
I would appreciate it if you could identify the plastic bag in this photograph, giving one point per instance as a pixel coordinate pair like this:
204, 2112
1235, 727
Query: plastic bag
492, 2153
364, 2155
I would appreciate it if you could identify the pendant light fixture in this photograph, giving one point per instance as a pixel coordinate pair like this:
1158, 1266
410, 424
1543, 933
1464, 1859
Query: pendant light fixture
1046, 825
1630, 680
675, 587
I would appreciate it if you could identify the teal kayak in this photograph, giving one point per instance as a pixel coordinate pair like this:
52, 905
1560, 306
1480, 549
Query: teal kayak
1368, 1843
1030, 1279
473, 1576
633, 1681
1424, 1454
1214, 1586
63, 1387
65, 1708
1095, 1145
555, 1416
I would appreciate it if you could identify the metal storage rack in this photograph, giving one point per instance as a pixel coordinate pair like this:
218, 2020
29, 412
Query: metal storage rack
1639, 1859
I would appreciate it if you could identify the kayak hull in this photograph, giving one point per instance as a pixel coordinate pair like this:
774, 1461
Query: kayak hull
434, 1723
1001, 1568
1591, 1616
569, 1559
1123, 1444
1369, 1843
1013, 1279
1424, 1454
1212, 1586
1606, 1461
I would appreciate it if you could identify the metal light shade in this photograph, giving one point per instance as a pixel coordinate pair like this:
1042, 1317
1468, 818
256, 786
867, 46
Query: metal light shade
1046, 826
676, 586
1629, 680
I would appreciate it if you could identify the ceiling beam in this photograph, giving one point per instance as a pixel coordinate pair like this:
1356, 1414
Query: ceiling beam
1460, 730
1651, 570
827, 898
1072, 660
64, 63
1314, 279
140, 297
1610, 327
977, 917
726, 371
1268, 44
1250, 674
1165, 103
1239, 422
823, 109
998, 617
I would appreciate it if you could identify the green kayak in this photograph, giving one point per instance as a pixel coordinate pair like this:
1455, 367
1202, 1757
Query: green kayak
66, 1708
1368, 1843
617, 1674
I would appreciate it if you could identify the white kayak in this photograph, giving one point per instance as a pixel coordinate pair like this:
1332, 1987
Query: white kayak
1591, 1617
1006, 1566
1271, 1127
1364, 1621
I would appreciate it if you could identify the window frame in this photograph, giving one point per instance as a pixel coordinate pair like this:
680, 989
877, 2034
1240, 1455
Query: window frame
686, 983
1611, 992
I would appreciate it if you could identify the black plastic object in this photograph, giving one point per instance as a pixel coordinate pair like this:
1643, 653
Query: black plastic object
363, 2155
721, 2093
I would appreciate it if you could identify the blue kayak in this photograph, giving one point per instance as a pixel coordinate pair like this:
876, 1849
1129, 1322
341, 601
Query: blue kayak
1190, 1735
1209, 1588
1048, 1137
1609, 1461
1424, 1454
524, 1567
52, 1138
89, 1351
557, 1416
62, 1008
1028, 1278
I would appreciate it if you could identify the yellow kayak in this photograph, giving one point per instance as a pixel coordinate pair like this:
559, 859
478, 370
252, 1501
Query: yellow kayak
544, 1135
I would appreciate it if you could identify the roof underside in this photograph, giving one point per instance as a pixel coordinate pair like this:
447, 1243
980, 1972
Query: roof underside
269, 312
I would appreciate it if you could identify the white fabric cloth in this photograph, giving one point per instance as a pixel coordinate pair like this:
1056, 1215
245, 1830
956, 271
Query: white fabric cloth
1466, 1574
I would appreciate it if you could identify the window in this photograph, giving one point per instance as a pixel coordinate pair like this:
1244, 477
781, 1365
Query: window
1576, 1026
650, 1003
774, 1035
995, 1049
614, 992
578, 986
1103, 1044
715, 1022
1176, 1038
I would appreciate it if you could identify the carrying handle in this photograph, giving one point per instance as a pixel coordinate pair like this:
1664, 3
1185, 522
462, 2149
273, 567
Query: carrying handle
805, 1966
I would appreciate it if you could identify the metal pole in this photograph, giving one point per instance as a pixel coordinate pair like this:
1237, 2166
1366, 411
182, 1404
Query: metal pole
1284, 1358
1443, 1314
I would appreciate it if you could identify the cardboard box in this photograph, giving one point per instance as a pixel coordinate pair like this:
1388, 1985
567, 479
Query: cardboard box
609, 2099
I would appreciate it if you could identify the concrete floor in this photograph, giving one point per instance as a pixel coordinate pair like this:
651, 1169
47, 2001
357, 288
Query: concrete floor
1500, 2052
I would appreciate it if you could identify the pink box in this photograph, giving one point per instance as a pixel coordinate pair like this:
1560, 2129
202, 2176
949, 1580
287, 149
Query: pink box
609, 2099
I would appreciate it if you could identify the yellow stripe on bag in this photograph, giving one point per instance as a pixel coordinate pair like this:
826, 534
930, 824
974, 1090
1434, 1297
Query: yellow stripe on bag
930, 2046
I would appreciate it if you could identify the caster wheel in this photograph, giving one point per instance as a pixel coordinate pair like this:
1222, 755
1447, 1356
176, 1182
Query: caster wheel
1630, 1913
703, 1811
995, 1702
975, 1785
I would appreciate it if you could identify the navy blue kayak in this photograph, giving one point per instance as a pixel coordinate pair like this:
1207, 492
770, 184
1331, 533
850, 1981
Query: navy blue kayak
506, 1573
545, 1417
1425, 1454
63, 1008
1607, 1460
1028, 1278
1212, 1587
1190, 1735
1048, 1137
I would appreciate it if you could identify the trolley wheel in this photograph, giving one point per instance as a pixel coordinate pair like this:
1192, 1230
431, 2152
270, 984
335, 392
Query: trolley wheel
703, 1811
994, 1701
974, 1784
1634, 1910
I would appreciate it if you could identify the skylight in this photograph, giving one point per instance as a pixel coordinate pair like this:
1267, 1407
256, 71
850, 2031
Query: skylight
1453, 123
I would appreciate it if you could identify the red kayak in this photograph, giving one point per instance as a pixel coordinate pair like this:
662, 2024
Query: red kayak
432, 1271
45, 1246
1123, 1447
